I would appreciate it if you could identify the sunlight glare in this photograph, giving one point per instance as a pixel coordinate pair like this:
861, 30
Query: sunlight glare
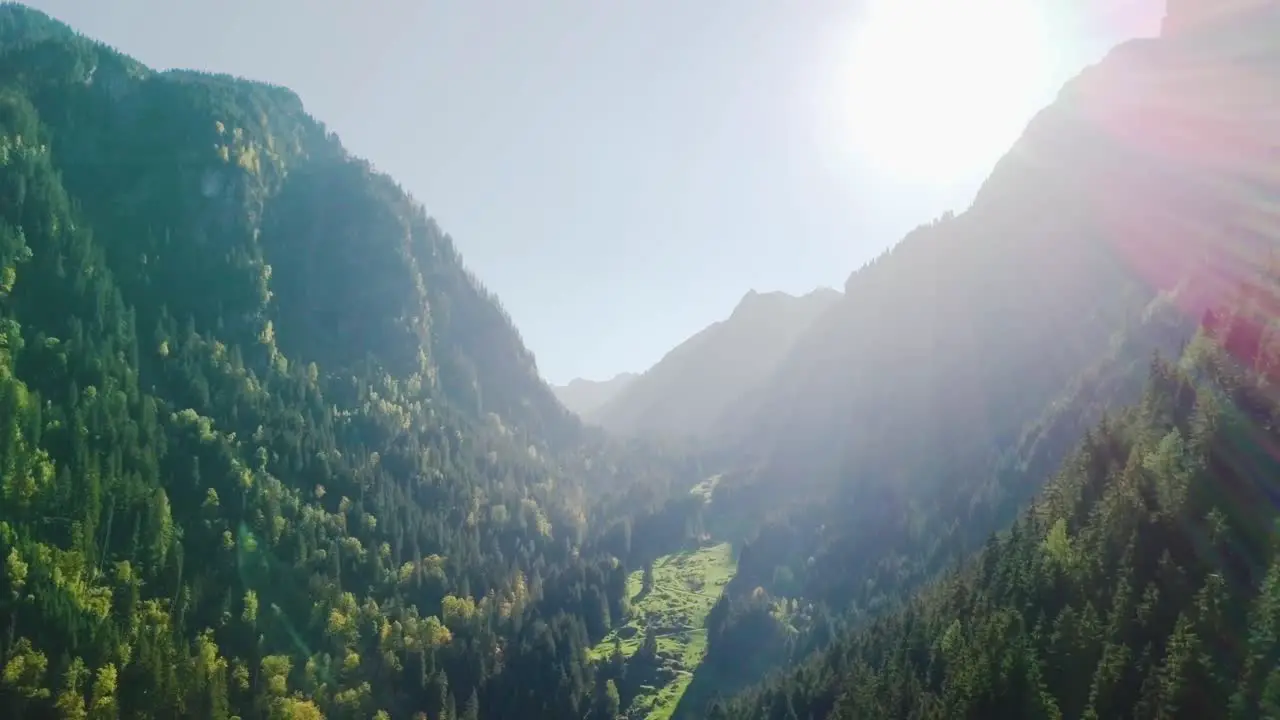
939, 89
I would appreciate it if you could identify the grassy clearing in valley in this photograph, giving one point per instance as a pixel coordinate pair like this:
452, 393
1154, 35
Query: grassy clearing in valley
685, 586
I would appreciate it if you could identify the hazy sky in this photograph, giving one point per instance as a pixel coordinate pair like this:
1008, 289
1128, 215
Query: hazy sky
619, 172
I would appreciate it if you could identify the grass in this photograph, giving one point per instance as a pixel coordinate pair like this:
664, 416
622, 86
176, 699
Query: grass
685, 586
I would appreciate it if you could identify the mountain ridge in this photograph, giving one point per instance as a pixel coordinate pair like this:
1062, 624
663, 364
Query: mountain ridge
1094, 214
225, 340
582, 396
1131, 562
269, 449
694, 384
1131, 207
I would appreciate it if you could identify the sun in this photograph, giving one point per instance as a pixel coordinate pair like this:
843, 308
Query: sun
939, 89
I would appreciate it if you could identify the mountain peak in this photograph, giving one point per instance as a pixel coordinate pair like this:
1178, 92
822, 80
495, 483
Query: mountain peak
584, 382
583, 396
691, 389
755, 299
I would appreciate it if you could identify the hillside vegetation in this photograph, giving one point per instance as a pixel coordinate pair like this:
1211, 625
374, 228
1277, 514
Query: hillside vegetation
653, 656
268, 448
1144, 583
1149, 176
1092, 245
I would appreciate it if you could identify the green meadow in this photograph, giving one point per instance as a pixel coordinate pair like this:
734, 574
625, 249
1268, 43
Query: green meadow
685, 586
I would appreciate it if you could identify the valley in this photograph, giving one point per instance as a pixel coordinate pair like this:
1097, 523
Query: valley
269, 450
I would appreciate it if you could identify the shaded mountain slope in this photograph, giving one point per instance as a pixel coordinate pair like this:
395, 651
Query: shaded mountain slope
1144, 583
267, 449
1149, 173
779, 610
227, 175
1151, 176
688, 392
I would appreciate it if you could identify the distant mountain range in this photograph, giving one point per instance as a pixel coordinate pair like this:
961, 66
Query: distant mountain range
583, 397
688, 392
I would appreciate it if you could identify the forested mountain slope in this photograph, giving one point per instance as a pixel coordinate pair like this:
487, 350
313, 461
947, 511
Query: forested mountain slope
583, 397
877, 444
1154, 173
267, 449
688, 392
1145, 583
779, 609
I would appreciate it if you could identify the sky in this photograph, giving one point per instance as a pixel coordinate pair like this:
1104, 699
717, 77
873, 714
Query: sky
621, 172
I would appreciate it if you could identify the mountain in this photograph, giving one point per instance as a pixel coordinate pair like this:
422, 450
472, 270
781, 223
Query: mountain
897, 406
688, 391
584, 397
267, 448
1144, 583
967, 363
